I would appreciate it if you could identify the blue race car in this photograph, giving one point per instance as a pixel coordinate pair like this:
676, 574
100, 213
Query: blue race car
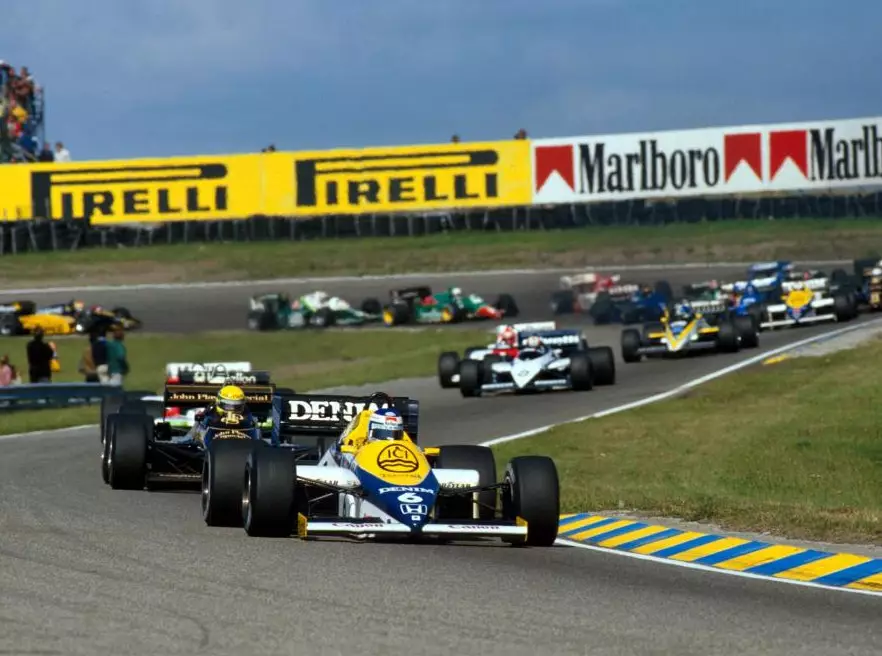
646, 304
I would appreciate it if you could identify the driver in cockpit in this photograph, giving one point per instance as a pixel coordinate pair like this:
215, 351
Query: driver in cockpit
684, 311
228, 410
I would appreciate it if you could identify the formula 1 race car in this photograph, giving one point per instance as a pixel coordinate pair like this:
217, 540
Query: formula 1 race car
688, 331
420, 305
64, 319
542, 360
392, 488
579, 292
806, 302
142, 450
449, 361
317, 310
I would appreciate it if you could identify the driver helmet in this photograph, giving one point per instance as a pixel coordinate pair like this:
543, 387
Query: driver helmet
508, 336
683, 310
320, 297
231, 399
455, 292
385, 424
78, 306
533, 342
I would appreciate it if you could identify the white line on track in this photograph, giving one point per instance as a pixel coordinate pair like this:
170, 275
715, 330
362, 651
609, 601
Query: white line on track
688, 385
397, 276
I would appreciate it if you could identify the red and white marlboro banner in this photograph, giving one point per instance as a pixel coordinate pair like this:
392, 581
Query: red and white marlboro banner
714, 161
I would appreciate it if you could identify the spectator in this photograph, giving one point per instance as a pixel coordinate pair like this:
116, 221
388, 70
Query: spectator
46, 154
62, 154
117, 364
99, 357
87, 363
454, 139
7, 372
21, 114
521, 134
40, 356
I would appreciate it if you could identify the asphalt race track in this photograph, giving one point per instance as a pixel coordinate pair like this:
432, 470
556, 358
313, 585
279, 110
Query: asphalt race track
88, 570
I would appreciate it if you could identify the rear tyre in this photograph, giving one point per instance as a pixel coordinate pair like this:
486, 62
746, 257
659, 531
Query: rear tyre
222, 475
562, 302
268, 492
603, 363
842, 308
507, 305
448, 367
126, 452
631, 343
532, 493
469, 456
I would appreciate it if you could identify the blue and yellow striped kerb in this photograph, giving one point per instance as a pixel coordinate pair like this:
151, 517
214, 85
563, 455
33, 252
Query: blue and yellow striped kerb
731, 554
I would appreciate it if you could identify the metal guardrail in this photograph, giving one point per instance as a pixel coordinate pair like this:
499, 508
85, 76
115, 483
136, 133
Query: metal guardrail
44, 396
44, 235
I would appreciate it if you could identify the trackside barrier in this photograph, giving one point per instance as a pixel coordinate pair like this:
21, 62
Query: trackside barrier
44, 396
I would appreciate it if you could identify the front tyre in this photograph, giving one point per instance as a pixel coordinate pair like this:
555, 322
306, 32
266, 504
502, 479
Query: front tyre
269, 493
532, 493
222, 472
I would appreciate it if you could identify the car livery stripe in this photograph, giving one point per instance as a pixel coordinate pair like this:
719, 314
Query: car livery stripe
724, 552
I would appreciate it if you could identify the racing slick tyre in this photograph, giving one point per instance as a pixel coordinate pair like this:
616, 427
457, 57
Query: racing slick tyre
603, 363
396, 314
602, 310
109, 405
269, 494
471, 375
727, 338
371, 306
469, 456
262, 320
10, 325
323, 318
507, 305
532, 492
448, 367
747, 331
222, 475
631, 344
126, 451
757, 312
562, 302
842, 308
581, 372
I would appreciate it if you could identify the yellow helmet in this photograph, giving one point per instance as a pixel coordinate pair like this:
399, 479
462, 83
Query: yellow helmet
231, 399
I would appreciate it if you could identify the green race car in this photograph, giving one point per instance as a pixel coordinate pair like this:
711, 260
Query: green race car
420, 305
314, 310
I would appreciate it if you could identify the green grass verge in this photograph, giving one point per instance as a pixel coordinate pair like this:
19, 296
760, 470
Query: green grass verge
304, 361
793, 449
703, 242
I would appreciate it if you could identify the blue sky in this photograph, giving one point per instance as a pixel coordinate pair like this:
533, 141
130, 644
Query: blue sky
136, 78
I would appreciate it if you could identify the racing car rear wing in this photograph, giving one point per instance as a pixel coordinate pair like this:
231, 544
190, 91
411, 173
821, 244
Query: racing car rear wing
259, 398
303, 415
227, 378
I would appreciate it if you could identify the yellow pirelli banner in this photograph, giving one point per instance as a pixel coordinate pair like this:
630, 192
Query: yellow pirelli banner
400, 179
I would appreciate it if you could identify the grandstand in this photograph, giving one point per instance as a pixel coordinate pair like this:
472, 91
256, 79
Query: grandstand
22, 110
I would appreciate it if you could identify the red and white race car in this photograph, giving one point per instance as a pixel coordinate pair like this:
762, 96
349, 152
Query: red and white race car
579, 292
505, 347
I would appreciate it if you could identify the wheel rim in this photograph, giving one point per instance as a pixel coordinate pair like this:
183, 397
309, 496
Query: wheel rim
206, 490
246, 499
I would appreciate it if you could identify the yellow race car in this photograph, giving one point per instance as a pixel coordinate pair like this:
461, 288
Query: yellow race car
685, 330
71, 318
372, 479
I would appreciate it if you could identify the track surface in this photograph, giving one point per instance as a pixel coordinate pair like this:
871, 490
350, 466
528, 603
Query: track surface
86, 570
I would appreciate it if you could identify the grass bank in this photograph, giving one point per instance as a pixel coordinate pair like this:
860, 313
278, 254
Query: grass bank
304, 361
704, 242
793, 449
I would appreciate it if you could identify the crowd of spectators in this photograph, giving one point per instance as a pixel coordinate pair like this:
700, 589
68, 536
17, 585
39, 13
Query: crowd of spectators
21, 119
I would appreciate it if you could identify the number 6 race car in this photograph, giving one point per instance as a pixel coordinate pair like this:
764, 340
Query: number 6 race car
370, 488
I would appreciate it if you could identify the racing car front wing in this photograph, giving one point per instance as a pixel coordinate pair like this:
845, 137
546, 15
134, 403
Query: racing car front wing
367, 528
661, 349
545, 383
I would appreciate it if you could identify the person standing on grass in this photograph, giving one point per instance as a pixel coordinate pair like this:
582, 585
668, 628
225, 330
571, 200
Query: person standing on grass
40, 356
117, 362
99, 356
87, 363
